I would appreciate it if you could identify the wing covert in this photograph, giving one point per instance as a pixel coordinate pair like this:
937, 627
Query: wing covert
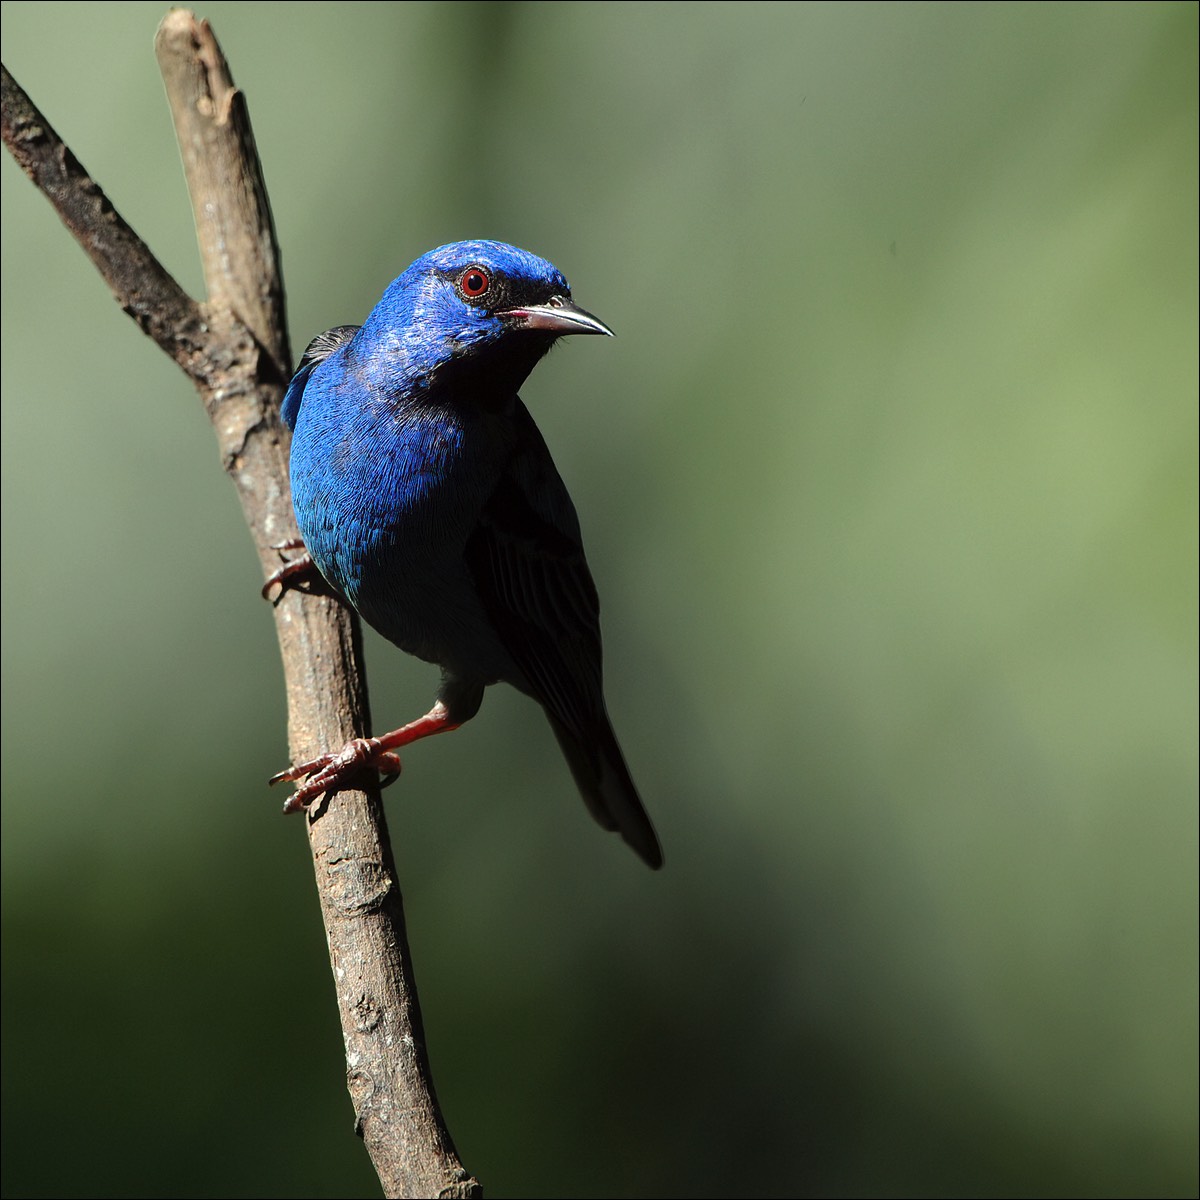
319, 349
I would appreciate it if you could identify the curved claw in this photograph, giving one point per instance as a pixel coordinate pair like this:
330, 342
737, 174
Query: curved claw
331, 772
285, 576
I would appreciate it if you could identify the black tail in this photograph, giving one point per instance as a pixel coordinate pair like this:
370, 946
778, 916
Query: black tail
607, 788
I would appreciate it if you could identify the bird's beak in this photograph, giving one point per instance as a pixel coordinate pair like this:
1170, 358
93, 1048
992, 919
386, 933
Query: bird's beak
558, 315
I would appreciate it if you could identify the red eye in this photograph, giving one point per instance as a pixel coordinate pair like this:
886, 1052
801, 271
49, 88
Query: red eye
474, 282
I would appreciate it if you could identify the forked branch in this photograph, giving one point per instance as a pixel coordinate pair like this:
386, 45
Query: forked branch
234, 347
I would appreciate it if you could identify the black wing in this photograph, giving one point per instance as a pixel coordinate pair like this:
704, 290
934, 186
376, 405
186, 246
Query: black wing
528, 565
319, 349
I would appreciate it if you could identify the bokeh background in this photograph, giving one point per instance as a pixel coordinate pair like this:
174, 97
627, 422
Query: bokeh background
889, 484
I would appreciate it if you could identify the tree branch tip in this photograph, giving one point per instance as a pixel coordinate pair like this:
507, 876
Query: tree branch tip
182, 35
178, 21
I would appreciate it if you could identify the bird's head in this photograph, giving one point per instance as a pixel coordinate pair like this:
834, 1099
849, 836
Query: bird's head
479, 308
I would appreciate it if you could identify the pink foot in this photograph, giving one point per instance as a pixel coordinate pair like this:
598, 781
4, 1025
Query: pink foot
331, 772
297, 568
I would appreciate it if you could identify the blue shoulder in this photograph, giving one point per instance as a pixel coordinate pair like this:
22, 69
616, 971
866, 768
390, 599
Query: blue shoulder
319, 349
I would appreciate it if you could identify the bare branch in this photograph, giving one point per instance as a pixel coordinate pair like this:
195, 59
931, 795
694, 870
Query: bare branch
141, 285
235, 349
229, 199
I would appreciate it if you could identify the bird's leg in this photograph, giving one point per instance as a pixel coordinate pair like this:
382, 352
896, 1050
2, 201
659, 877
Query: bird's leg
329, 772
297, 568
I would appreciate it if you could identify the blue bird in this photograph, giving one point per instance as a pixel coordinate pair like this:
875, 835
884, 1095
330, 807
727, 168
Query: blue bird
426, 497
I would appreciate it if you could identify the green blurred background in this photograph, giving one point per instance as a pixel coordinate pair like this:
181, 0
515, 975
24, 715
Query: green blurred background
889, 485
